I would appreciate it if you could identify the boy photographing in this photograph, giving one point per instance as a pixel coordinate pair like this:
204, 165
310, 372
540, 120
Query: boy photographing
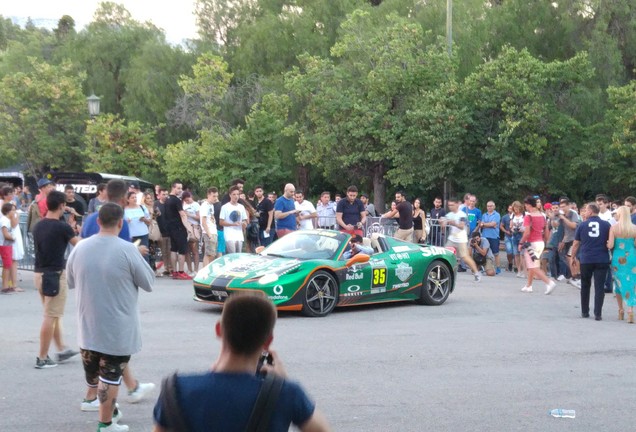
223, 398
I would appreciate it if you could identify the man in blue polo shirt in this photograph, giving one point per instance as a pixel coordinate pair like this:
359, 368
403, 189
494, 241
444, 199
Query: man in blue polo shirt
285, 212
350, 213
591, 236
490, 230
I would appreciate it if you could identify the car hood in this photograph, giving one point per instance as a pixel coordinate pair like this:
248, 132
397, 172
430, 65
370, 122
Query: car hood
245, 266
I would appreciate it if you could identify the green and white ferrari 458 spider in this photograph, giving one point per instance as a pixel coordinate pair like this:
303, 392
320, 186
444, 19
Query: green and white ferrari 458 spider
306, 271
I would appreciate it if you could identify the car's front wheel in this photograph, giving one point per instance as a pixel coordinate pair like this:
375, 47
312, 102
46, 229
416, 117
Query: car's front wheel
320, 294
436, 285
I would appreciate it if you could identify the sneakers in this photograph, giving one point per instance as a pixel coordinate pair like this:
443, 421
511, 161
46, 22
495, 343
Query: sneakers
142, 390
550, 287
509, 267
113, 427
461, 269
498, 271
89, 406
477, 277
575, 283
521, 275
117, 414
65, 355
44, 364
561, 278
180, 276
527, 289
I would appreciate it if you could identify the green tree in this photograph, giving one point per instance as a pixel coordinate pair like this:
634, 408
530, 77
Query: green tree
41, 117
106, 49
152, 87
523, 135
355, 107
621, 119
114, 145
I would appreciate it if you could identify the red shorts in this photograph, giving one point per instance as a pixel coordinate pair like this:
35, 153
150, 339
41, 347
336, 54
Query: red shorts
6, 252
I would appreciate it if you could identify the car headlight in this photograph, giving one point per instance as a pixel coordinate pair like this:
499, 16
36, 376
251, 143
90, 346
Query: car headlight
268, 279
203, 273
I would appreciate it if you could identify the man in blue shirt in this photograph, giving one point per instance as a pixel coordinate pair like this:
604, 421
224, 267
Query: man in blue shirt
490, 230
115, 193
591, 236
285, 212
473, 213
222, 399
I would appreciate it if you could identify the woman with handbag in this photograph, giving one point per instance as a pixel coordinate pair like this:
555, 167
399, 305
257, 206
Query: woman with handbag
154, 235
138, 219
191, 207
532, 242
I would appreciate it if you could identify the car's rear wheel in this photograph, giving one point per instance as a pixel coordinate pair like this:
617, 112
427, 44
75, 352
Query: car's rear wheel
320, 294
436, 285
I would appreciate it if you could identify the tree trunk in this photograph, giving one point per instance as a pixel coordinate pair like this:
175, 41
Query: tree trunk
379, 187
303, 179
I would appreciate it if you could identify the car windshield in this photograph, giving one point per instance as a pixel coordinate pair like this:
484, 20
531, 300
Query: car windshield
307, 245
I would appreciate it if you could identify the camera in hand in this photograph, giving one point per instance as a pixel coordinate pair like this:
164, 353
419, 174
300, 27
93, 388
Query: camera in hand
265, 357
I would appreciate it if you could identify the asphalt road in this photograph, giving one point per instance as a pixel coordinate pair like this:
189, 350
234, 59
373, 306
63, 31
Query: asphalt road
490, 359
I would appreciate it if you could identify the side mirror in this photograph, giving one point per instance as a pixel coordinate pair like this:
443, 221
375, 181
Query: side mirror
259, 249
357, 259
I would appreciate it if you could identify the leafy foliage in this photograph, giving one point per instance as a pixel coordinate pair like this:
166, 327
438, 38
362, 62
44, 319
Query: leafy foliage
41, 116
113, 145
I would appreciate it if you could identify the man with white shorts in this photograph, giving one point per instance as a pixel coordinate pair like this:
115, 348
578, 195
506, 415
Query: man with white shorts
456, 220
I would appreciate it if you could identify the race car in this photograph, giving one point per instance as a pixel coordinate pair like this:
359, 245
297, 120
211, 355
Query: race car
306, 271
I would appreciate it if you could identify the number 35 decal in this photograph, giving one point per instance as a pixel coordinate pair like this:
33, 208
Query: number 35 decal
379, 277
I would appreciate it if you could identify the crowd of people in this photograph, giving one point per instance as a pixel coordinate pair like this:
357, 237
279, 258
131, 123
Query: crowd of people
110, 248
116, 240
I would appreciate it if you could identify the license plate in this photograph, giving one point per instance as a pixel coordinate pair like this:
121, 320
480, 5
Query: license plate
219, 293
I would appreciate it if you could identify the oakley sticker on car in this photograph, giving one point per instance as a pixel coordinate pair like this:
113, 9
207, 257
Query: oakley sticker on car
353, 290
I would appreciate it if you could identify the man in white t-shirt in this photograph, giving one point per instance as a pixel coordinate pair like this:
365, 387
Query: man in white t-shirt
604, 211
308, 213
208, 224
606, 214
457, 220
233, 218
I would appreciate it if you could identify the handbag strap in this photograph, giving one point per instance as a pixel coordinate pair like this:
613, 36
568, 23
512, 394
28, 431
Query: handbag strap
265, 403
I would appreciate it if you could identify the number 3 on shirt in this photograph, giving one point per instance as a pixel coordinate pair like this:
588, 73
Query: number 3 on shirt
594, 229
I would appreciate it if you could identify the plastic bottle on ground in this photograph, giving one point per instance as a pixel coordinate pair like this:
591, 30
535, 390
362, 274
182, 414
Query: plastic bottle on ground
563, 413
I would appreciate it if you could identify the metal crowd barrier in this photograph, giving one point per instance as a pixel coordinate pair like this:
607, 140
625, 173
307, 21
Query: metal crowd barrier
384, 226
389, 226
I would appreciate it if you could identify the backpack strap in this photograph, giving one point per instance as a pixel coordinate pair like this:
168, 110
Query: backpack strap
265, 403
170, 405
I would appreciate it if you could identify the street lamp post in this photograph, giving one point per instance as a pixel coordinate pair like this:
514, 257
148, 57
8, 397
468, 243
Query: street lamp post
93, 105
